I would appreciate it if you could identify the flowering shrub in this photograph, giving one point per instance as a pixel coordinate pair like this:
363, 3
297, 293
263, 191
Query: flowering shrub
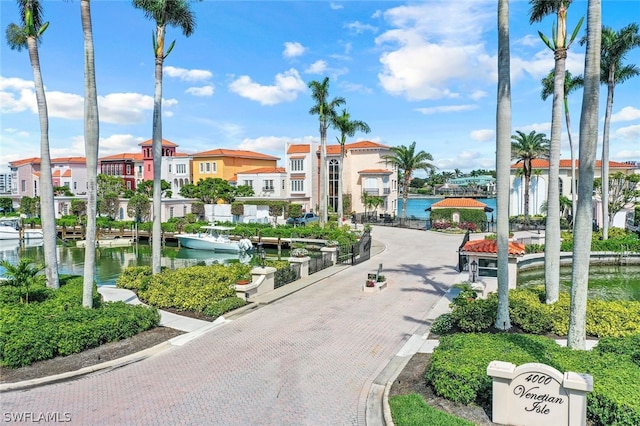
299, 252
468, 225
370, 283
441, 225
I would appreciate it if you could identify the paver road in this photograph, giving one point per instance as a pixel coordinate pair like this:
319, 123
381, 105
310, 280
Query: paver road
308, 359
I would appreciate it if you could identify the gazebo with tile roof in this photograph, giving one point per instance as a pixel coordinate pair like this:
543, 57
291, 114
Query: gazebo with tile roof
485, 255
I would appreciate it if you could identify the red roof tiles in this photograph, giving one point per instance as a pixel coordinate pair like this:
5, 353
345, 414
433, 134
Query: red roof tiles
491, 246
262, 170
222, 152
459, 202
375, 172
540, 163
164, 143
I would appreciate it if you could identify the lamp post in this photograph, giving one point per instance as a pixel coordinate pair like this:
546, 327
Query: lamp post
262, 253
474, 270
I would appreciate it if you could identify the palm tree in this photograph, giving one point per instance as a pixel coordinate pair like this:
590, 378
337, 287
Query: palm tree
539, 10
24, 275
326, 111
503, 163
91, 137
28, 36
176, 14
347, 127
615, 46
407, 160
583, 214
526, 148
571, 83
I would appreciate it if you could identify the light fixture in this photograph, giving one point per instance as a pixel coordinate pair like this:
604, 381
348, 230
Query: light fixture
474, 270
262, 253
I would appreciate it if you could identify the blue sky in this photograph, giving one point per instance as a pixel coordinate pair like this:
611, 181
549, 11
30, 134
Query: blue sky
414, 71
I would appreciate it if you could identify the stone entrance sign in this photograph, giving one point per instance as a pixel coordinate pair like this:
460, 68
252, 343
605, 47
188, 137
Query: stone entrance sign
537, 394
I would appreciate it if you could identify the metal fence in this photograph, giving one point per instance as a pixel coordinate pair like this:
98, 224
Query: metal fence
319, 263
356, 253
288, 275
462, 259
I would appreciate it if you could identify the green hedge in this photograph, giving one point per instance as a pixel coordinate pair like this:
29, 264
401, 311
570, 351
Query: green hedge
60, 325
615, 399
478, 217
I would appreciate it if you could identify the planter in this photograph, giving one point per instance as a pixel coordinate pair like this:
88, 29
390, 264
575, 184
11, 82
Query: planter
242, 282
378, 286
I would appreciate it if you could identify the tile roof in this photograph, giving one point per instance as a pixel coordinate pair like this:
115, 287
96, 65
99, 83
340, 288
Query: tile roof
540, 163
56, 173
375, 172
223, 152
164, 143
18, 163
491, 246
261, 170
67, 173
299, 149
459, 202
122, 156
36, 160
335, 149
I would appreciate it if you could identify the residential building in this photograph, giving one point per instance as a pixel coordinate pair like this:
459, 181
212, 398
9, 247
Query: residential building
267, 182
227, 163
540, 177
5, 183
66, 171
168, 150
128, 166
176, 170
364, 171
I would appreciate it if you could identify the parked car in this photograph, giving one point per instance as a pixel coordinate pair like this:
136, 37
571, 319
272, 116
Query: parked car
304, 220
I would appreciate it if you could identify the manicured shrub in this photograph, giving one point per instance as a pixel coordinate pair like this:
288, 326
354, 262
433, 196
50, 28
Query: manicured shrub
223, 306
528, 312
443, 324
60, 325
412, 410
629, 345
476, 315
134, 277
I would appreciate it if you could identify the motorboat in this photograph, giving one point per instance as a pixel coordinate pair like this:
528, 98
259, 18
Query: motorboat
214, 238
10, 230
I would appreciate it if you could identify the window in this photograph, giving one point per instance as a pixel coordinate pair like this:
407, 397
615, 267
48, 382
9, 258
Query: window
181, 169
214, 167
129, 184
148, 167
170, 211
248, 183
487, 267
201, 167
297, 165
334, 177
297, 185
139, 169
560, 186
207, 167
128, 169
75, 185
268, 185
283, 184
169, 168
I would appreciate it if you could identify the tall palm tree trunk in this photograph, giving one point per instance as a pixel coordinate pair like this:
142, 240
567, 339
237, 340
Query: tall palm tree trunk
503, 163
552, 228
606, 221
573, 161
156, 243
405, 196
340, 186
91, 136
323, 171
588, 145
527, 187
47, 210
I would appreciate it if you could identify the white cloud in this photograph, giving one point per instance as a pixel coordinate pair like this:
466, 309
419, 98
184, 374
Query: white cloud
478, 94
433, 46
626, 114
354, 87
446, 108
465, 160
129, 108
528, 40
538, 127
286, 88
273, 145
119, 143
483, 135
335, 6
318, 67
188, 75
293, 49
359, 28
201, 91
629, 133
626, 155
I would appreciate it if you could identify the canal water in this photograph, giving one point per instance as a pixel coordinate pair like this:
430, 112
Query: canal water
111, 261
416, 207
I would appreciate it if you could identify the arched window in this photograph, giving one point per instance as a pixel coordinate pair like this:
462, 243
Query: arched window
334, 176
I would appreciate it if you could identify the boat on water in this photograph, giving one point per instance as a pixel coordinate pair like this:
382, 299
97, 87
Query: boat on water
10, 230
214, 238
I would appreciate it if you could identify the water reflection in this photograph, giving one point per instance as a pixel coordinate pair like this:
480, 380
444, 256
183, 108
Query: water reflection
110, 261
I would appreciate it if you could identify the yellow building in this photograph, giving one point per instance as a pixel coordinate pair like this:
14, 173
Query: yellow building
227, 163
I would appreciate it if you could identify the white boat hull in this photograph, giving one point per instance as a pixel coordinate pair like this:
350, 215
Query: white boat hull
8, 233
203, 242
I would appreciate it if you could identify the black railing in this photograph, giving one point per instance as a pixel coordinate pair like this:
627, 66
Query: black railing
285, 276
462, 259
319, 263
355, 253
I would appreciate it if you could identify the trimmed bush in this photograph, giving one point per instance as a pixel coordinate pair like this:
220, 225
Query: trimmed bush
221, 307
615, 399
443, 324
60, 325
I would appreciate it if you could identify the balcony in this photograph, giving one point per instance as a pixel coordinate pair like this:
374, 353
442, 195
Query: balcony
267, 189
372, 191
386, 191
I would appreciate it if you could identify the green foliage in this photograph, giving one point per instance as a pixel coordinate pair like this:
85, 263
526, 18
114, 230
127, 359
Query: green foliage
534, 248
237, 208
134, 277
412, 410
615, 397
475, 216
629, 345
294, 210
194, 288
145, 188
23, 276
619, 241
475, 314
139, 207
442, 325
68, 221
6, 204
223, 306
59, 325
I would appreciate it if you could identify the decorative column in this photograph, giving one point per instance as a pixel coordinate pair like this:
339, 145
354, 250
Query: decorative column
330, 253
262, 281
304, 264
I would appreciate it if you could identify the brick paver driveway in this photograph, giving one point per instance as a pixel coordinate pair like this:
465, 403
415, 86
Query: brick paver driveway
308, 359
